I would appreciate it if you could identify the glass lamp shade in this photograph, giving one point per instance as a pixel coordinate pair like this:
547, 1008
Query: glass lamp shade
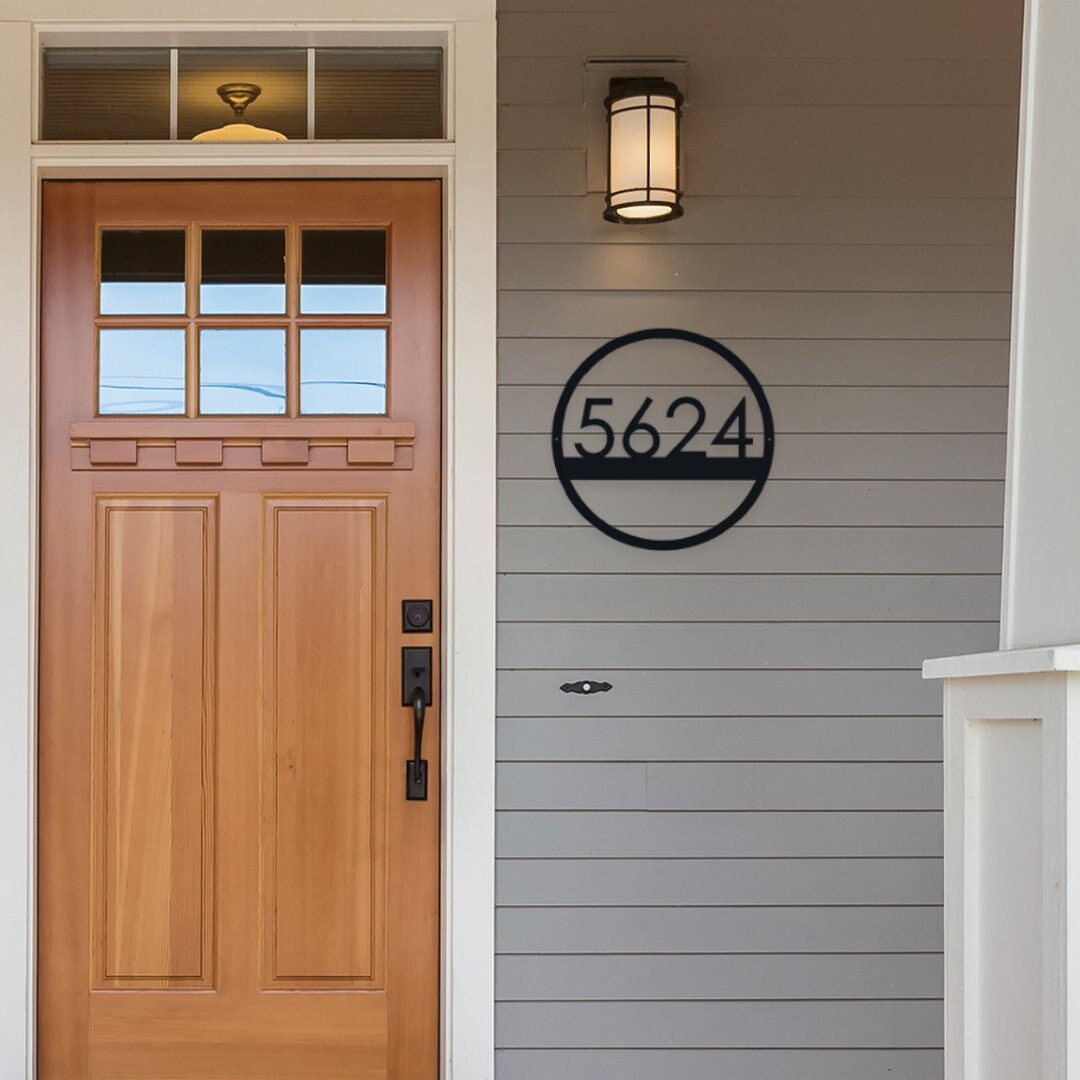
238, 96
241, 132
643, 151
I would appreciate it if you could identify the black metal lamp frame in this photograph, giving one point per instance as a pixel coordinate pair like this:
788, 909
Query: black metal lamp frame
648, 88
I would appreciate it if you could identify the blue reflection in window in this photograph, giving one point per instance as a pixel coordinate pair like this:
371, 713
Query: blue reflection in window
141, 371
342, 299
142, 271
142, 298
243, 272
242, 371
343, 271
343, 371
242, 299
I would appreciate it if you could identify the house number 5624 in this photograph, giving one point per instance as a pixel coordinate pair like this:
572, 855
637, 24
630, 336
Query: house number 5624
611, 452
646, 432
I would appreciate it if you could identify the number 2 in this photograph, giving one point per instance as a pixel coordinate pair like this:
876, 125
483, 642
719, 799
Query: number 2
694, 428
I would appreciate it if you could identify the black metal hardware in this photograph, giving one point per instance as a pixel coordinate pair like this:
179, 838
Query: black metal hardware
586, 686
645, 453
416, 616
416, 692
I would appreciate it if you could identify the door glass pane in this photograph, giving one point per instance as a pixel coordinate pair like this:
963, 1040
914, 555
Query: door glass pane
243, 272
142, 272
242, 371
343, 371
343, 271
280, 74
141, 371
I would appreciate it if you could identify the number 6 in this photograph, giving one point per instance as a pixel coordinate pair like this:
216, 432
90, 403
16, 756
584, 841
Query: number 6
637, 424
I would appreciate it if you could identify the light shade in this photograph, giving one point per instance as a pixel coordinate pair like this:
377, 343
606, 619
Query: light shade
643, 151
238, 96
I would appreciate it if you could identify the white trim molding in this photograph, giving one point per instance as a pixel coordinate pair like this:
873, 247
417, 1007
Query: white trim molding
1045, 660
1012, 820
466, 162
1040, 583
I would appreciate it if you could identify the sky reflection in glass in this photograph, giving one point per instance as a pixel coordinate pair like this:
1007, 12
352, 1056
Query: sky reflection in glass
242, 371
142, 298
142, 272
243, 272
343, 371
242, 299
342, 299
141, 372
343, 272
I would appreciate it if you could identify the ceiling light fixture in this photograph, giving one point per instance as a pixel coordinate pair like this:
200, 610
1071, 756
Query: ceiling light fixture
238, 96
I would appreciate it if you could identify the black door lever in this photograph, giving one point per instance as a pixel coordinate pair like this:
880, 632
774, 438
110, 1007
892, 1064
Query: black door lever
416, 691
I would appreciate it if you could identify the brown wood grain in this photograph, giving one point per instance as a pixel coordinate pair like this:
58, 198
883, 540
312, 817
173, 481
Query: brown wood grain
199, 452
325, 685
223, 823
152, 820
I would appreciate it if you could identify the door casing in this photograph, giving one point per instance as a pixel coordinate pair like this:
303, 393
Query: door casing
467, 166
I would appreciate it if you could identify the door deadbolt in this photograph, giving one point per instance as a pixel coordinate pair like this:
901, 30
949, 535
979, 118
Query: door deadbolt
416, 616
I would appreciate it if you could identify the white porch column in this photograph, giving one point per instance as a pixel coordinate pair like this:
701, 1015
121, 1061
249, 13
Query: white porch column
1012, 718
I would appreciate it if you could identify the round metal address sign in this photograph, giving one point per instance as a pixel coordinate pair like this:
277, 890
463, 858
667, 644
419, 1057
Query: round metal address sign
662, 439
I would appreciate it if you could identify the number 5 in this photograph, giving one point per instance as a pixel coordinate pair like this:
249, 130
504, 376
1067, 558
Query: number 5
588, 420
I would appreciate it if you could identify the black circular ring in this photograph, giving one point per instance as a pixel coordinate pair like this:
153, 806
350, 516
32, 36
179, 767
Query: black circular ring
606, 350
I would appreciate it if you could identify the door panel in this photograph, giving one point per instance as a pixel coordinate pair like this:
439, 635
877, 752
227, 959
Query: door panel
232, 882
325, 662
152, 825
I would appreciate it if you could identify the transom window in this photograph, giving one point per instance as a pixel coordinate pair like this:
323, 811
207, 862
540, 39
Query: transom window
212, 321
302, 93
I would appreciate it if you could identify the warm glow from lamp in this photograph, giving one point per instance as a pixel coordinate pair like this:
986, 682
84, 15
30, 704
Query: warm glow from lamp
238, 96
643, 151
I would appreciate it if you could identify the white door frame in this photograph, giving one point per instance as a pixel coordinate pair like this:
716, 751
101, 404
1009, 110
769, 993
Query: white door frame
466, 163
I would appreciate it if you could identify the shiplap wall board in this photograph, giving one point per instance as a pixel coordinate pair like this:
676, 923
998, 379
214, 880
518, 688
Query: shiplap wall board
730, 864
715, 882
697, 1064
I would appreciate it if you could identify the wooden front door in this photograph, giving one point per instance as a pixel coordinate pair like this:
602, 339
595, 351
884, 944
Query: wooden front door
240, 488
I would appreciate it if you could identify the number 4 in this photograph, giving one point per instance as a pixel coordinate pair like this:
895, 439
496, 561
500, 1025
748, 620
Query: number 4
741, 440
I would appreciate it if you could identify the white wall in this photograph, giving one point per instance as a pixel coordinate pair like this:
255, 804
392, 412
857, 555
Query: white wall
17, 455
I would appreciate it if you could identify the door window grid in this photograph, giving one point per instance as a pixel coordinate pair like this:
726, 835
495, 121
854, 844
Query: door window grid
264, 370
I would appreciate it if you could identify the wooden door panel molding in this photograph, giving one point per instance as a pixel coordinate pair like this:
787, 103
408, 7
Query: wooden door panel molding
112, 451
232, 882
155, 445
240, 429
278, 1035
324, 855
152, 833
199, 451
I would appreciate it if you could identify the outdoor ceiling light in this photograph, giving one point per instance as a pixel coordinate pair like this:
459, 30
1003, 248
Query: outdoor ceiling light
239, 96
643, 151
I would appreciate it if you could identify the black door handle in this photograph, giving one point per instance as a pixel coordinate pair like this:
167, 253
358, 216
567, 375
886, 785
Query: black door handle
416, 771
416, 691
